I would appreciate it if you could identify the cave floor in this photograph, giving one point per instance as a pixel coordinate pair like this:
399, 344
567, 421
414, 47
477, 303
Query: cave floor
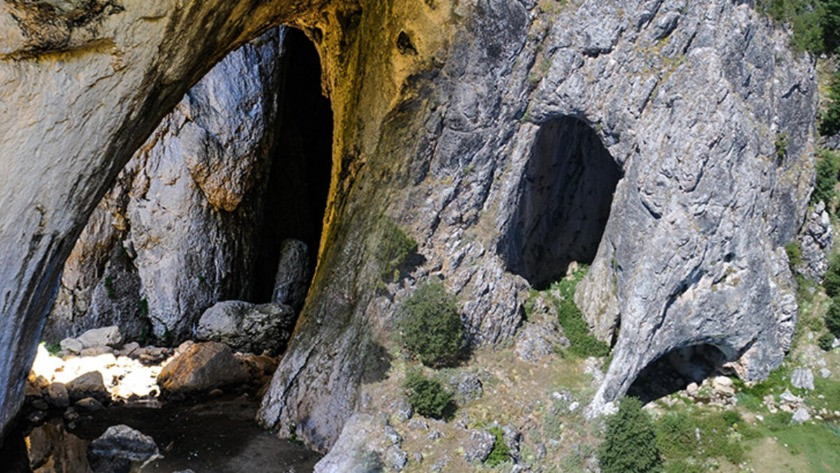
218, 435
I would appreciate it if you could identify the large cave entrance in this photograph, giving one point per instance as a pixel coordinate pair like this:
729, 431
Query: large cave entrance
675, 370
564, 203
222, 206
299, 182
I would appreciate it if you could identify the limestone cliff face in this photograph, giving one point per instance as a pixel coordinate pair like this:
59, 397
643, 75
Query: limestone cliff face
670, 111
180, 229
485, 129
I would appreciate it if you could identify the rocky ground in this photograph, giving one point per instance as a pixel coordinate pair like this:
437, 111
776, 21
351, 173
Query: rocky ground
87, 383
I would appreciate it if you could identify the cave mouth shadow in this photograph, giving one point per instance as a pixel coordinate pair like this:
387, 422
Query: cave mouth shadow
301, 169
564, 202
675, 370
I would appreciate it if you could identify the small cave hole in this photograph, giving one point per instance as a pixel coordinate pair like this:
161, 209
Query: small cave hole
564, 202
675, 370
404, 44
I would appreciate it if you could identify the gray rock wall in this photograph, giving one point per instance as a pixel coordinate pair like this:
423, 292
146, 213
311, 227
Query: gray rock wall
181, 228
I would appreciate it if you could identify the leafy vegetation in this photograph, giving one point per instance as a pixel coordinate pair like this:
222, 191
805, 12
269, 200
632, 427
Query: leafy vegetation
830, 120
51, 347
500, 452
431, 326
427, 396
794, 254
832, 317
395, 249
828, 168
583, 343
815, 23
687, 438
832, 277
630, 444
825, 341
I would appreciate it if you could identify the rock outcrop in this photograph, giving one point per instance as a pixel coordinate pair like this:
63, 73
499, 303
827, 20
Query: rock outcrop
687, 99
815, 241
181, 228
251, 328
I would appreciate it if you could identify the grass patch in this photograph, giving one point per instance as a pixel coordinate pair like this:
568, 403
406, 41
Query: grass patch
500, 452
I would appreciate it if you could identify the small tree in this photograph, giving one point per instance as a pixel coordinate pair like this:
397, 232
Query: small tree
630, 442
427, 396
826, 341
431, 326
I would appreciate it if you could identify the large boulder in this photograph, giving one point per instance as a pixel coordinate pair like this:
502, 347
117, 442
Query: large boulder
100, 337
88, 385
119, 449
248, 327
293, 274
202, 367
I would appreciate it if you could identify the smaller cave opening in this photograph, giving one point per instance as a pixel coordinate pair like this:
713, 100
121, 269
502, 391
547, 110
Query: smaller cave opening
675, 370
299, 181
564, 202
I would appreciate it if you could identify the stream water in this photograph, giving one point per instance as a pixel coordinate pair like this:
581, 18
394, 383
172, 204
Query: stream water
218, 435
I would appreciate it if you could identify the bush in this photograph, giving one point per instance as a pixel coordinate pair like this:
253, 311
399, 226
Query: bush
630, 442
812, 22
832, 277
830, 120
500, 452
427, 396
675, 435
832, 317
431, 326
825, 341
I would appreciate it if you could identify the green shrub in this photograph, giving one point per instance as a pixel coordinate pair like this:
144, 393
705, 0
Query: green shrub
431, 326
830, 119
582, 342
828, 167
832, 317
630, 442
832, 277
808, 18
825, 341
427, 396
395, 249
500, 452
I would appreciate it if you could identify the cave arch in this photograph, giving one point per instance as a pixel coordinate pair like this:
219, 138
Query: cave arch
564, 202
242, 165
676, 369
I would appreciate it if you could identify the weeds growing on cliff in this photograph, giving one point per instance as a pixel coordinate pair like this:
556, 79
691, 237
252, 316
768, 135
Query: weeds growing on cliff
431, 326
395, 249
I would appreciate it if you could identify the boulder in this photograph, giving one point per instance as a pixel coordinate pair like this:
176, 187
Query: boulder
119, 447
57, 395
248, 327
88, 385
802, 378
71, 346
99, 337
291, 282
203, 367
478, 446
801, 415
